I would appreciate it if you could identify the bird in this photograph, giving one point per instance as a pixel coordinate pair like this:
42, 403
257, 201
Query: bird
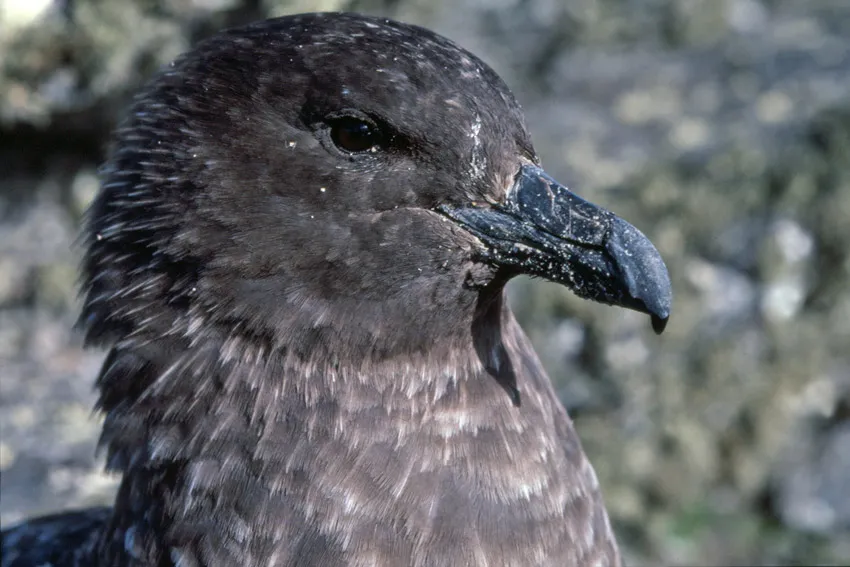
297, 262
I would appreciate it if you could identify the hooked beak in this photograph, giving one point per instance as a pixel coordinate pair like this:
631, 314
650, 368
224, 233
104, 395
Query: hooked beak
543, 229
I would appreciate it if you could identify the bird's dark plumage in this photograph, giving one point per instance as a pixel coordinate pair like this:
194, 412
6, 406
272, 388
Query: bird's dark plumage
297, 258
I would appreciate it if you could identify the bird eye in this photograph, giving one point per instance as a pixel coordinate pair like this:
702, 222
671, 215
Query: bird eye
354, 135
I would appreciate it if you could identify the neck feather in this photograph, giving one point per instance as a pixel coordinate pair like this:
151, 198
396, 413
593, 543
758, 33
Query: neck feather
235, 459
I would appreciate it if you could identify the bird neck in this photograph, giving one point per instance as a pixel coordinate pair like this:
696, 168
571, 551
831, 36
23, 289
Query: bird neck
211, 440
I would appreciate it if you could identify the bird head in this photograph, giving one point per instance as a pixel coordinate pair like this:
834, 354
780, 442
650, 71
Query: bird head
306, 179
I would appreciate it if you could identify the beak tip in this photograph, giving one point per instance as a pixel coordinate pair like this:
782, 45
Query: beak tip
659, 323
644, 271
657, 302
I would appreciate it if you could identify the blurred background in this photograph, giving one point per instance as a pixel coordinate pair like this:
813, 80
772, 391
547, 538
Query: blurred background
721, 128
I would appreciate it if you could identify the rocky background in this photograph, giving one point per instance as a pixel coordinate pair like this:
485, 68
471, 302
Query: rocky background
719, 127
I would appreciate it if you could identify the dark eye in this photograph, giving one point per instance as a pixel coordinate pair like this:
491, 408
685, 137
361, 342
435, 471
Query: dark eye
354, 134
